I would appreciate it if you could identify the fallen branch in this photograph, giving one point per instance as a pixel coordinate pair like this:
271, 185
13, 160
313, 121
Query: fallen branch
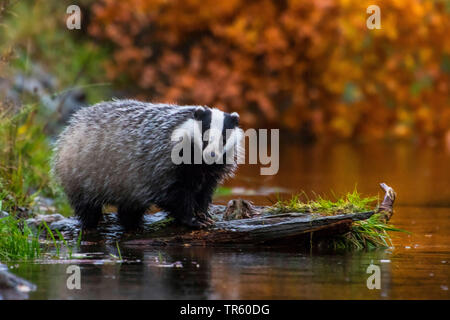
268, 228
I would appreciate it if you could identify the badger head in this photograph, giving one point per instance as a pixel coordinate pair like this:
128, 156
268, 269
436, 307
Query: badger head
214, 135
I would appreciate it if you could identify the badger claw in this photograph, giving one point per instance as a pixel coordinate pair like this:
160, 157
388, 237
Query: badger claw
205, 217
198, 222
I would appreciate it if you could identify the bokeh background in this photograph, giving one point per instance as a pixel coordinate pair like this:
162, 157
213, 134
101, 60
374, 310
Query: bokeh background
355, 107
310, 68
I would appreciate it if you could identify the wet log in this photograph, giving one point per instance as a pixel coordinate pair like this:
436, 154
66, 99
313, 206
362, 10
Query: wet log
269, 228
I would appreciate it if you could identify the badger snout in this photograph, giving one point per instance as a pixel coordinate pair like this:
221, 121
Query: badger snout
211, 156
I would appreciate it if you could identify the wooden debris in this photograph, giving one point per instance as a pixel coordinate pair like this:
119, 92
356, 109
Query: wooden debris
266, 228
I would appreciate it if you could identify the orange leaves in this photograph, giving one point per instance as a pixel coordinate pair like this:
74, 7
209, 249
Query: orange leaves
292, 64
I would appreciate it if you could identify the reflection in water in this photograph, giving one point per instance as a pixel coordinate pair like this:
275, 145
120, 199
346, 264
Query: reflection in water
421, 176
417, 267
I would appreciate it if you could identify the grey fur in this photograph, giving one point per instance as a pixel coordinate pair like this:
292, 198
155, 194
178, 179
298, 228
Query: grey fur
120, 152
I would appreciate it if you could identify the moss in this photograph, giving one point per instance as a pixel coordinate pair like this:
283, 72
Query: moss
161, 224
350, 203
364, 234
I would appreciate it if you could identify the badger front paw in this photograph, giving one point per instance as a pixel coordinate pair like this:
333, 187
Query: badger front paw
205, 217
197, 222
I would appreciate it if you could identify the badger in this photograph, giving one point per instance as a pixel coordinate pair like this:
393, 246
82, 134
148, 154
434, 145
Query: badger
126, 153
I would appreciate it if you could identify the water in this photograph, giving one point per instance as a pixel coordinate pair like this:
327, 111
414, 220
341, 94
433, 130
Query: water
417, 267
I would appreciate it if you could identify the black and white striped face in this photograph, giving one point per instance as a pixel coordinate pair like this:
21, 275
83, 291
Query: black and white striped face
221, 135
210, 136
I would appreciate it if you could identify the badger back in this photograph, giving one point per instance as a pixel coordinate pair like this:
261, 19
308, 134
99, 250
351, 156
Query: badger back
116, 147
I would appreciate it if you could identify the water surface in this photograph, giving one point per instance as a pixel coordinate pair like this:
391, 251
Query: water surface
416, 267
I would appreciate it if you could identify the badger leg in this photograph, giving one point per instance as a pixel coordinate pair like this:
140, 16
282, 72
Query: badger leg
88, 214
183, 208
203, 199
130, 216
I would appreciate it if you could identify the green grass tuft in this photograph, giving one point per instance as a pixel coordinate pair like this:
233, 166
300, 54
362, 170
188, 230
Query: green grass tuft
365, 234
351, 203
25, 165
17, 241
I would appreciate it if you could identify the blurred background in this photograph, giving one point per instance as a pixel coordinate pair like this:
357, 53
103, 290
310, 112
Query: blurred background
310, 68
355, 107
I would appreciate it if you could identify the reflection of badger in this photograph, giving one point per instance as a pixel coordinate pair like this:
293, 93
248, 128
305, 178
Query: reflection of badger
120, 153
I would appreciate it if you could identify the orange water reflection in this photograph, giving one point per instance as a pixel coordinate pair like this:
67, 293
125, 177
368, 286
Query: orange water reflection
419, 264
416, 268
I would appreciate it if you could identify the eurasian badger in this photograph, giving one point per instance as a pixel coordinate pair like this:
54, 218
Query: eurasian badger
121, 153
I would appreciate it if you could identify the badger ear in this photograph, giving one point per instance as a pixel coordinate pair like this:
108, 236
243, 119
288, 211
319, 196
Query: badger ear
235, 117
198, 113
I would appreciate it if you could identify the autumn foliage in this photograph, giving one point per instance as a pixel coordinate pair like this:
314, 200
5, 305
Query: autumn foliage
312, 67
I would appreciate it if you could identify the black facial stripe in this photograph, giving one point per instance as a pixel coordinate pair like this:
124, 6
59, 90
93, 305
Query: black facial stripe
229, 122
206, 120
206, 123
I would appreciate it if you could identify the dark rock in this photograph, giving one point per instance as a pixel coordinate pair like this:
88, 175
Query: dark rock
43, 86
12, 287
65, 224
40, 218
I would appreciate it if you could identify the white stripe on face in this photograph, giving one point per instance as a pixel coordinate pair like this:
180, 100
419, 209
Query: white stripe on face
215, 129
234, 146
217, 119
190, 128
234, 139
214, 149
